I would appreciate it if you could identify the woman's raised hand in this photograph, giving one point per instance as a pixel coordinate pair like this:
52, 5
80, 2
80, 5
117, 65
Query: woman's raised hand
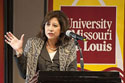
16, 44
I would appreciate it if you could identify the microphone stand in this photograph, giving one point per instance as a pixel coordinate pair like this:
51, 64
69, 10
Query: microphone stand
81, 55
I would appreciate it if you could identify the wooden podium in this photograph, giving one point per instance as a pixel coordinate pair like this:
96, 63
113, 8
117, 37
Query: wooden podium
78, 77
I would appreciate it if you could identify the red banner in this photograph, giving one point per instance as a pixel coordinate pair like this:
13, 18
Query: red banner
1, 43
99, 28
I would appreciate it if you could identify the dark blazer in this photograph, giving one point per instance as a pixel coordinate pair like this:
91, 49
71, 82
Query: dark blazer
28, 62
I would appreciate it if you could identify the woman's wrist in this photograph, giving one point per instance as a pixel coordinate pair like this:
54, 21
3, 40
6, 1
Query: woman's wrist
19, 52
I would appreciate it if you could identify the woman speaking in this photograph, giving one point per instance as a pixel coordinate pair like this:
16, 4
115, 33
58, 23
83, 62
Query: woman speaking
50, 50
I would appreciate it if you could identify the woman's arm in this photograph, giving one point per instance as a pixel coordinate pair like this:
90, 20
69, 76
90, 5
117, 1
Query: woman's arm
21, 63
22, 60
17, 45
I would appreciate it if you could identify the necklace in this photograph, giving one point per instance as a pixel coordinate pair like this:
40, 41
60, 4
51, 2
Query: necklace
54, 49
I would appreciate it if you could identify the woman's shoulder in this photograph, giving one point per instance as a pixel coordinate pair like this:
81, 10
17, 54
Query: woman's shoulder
33, 42
70, 43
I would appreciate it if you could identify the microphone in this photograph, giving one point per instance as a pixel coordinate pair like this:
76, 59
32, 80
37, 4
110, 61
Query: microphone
75, 36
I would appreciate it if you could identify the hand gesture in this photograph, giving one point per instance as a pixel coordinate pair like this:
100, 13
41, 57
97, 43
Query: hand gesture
15, 43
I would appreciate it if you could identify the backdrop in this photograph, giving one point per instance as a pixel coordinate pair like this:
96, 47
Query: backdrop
102, 23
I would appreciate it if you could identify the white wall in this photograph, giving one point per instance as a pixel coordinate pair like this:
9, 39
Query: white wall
28, 15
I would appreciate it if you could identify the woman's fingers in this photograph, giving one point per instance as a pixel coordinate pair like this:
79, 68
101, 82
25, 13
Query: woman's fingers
11, 35
7, 41
22, 37
8, 38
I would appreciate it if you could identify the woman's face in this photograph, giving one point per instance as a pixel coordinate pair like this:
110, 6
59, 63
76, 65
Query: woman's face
52, 29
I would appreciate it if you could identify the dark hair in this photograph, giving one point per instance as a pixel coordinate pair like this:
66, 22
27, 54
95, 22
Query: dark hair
64, 23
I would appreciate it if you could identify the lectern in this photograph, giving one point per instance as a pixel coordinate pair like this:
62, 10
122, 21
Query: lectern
78, 77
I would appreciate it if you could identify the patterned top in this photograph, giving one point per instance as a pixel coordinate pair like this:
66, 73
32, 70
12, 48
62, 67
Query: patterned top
28, 62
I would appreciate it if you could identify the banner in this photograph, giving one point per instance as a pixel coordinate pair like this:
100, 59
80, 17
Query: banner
1, 43
99, 28
102, 23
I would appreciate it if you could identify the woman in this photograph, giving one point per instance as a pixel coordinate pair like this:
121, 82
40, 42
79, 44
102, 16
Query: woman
50, 50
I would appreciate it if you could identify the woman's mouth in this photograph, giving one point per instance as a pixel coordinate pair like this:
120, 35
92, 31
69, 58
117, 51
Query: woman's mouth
50, 34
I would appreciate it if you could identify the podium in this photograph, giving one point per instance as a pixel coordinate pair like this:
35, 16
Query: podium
78, 77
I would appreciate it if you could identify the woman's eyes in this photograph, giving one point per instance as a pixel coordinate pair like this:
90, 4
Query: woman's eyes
55, 25
48, 24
